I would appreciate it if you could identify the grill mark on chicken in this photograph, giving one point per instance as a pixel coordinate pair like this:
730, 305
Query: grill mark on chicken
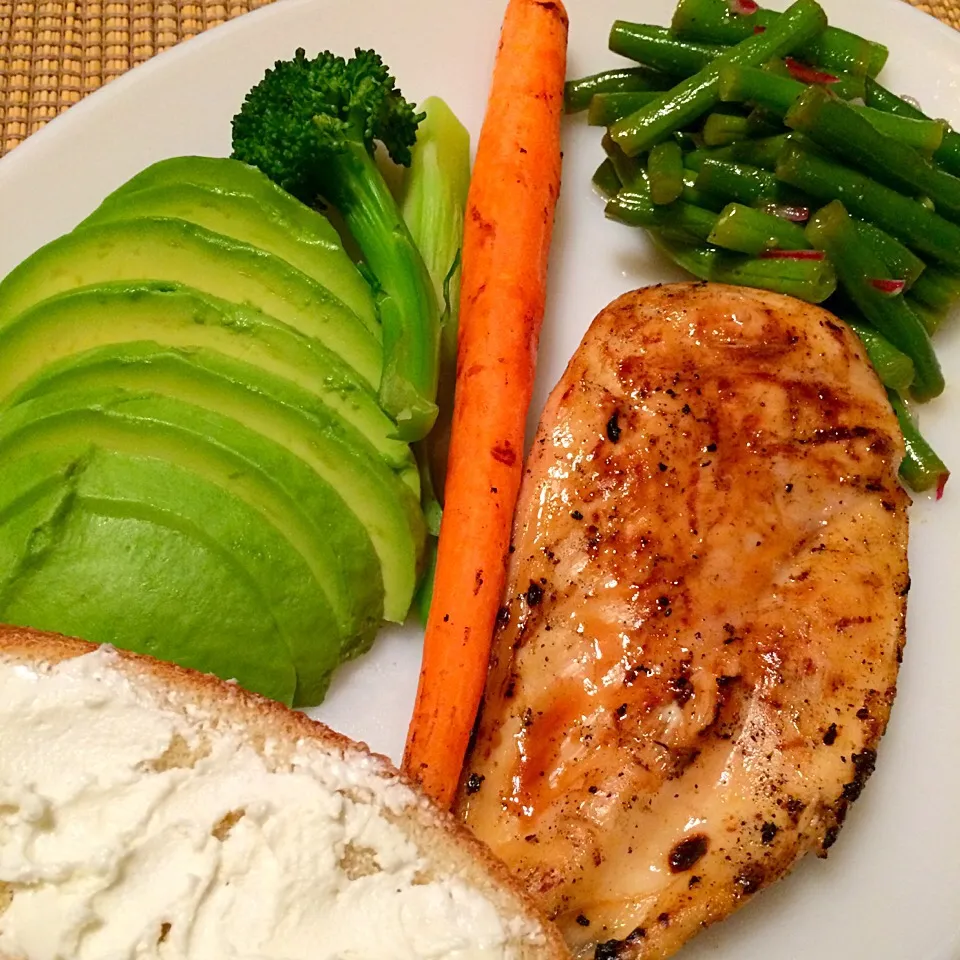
708, 656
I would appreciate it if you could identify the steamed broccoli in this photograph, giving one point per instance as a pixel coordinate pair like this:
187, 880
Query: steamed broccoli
311, 126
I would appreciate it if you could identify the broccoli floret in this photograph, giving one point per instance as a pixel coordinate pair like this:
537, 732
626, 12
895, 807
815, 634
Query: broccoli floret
311, 125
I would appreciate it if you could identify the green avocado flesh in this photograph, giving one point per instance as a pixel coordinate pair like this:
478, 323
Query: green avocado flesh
193, 460
310, 230
181, 252
81, 320
388, 509
287, 494
79, 544
246, 218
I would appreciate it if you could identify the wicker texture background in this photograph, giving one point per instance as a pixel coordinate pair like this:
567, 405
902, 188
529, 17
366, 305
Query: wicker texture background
53, 52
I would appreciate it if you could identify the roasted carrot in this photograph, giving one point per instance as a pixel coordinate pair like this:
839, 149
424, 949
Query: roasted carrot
509, 222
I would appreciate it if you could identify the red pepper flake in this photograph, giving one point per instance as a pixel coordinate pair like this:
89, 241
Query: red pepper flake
941, 483
792, 255
759, 28
800, 71
743, 8
787, 212
890, 287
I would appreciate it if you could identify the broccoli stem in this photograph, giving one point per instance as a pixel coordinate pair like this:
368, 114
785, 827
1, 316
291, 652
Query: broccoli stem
901, 217
711, 21
839, 128
810, 280
893, 366
658, 48
407, 303
834, 231
577, 94
751, 231
693, 97
921, 468
879, 98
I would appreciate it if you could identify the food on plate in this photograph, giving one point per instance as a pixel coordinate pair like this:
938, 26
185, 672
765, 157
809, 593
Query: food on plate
740, 133
310, 125
703, 619
207, 404
232, 199
509, 222
154, 812
194, 443
433, 201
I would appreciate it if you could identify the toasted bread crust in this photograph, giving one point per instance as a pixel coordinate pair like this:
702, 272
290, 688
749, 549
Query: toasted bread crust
449, 845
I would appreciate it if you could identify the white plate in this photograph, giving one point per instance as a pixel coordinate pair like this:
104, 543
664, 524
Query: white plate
891, 887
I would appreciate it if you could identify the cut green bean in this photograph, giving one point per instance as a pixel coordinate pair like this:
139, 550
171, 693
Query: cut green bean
698, 94
921, 469
742, 183
937, 289
605, 179
665, 172
930, 318
659, 49
762, 123
847, 86
759, 153
810, 280
711, 21
834, 231
837, 127
694, 160
608, 108
577, 94
634, 207
879, 98
893, 366
901, 217
722, 129
629, 170
747, 230
780, 94
697, 197
901, 263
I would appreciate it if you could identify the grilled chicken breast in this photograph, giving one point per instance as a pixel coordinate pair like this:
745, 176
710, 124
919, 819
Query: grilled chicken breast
704, 616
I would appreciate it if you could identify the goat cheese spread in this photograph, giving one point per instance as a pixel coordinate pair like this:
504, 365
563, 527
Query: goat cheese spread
128, 831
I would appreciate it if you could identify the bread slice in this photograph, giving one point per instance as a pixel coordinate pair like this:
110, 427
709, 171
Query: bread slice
153, 812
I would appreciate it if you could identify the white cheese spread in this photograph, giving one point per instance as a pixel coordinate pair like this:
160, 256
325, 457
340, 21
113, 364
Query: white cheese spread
112, 853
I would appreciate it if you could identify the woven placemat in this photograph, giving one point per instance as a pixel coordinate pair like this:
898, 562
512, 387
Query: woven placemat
54, 52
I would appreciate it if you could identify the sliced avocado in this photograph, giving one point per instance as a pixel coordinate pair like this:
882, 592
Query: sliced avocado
174, 316
277, 409
181, 252
280, 487
78, 559
276, 227
235, 177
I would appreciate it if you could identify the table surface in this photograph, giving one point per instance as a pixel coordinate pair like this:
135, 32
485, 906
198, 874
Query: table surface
54, 52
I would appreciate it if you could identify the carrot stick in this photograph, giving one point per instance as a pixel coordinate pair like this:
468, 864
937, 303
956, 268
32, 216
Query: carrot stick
509, 222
